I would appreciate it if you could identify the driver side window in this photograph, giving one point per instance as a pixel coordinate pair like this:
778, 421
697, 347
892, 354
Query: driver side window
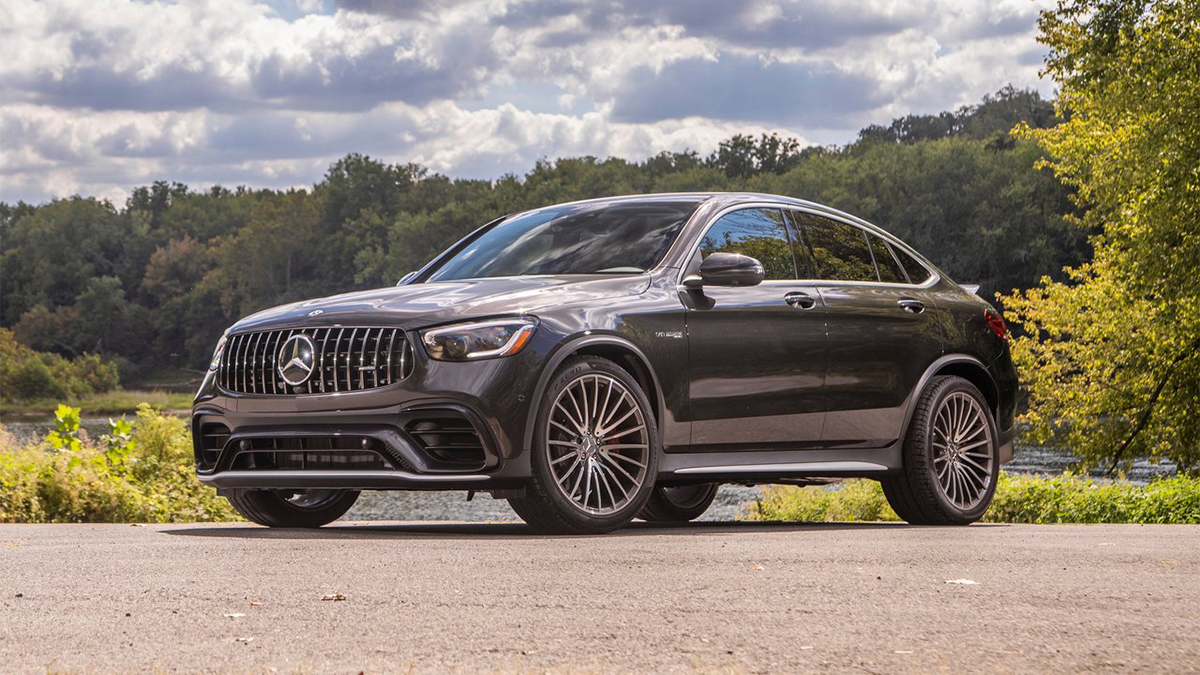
756, 232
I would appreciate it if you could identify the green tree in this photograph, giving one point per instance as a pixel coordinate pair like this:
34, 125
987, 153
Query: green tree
1112, 355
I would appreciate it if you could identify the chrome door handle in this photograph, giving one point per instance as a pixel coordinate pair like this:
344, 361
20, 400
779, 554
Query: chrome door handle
910, 305
801, 300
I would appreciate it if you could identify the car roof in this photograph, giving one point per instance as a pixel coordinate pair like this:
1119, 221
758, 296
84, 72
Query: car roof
725, 198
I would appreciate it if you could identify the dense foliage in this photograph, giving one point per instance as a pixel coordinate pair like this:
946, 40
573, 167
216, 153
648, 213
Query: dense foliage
1112, 354
141, 472
154, 283
26, 374
1019, 499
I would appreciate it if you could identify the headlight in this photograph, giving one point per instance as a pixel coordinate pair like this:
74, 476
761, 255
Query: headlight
479, 340
216, 357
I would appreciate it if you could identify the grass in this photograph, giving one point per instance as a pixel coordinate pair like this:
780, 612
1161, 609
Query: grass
1019, 499
120, 401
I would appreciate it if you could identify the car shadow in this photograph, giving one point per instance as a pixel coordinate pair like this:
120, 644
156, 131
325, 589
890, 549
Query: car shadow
515, 530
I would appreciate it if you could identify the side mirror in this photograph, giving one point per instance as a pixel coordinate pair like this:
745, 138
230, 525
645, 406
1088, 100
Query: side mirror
405, 279
727, 269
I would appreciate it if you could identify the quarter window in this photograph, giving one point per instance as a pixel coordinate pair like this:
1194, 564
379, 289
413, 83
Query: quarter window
889, 270
838, 250
917, 273
758, 233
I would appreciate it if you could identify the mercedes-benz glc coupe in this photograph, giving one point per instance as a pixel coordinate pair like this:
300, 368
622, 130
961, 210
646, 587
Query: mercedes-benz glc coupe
615, 358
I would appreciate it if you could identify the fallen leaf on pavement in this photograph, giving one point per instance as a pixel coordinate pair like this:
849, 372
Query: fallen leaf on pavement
336, 597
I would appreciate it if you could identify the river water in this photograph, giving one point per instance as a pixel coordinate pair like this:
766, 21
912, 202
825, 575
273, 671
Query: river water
420, 505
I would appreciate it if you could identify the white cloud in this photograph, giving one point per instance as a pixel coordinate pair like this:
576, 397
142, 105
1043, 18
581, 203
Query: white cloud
101, 96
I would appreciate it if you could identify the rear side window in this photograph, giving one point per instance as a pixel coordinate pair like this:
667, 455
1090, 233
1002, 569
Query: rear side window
758, 233
917, 273
839, 251
889, 270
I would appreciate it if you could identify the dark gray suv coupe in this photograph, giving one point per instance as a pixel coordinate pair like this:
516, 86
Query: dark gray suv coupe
616, 358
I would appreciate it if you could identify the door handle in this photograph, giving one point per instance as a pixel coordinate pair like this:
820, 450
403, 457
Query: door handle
801, 300
910, 305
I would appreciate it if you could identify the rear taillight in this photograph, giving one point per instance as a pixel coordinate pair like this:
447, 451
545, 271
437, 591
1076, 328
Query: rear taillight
996, 323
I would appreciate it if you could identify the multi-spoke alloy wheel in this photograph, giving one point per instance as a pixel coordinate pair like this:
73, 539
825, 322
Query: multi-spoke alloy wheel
595, 455
598, 444
962, 443
950, 457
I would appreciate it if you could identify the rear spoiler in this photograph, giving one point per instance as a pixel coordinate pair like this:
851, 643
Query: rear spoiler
970, 288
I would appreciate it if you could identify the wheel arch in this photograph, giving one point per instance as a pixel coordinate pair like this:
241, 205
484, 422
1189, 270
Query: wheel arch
965, 366
616, 349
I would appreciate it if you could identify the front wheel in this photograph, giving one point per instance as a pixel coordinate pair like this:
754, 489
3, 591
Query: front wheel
595, 453
292, 508
951, 457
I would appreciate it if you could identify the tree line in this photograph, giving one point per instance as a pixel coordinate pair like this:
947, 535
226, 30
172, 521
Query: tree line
153, 282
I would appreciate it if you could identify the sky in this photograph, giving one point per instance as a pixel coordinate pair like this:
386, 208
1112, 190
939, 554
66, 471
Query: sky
100, 96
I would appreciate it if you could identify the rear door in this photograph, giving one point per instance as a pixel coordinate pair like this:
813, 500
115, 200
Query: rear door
882, 331
756, 353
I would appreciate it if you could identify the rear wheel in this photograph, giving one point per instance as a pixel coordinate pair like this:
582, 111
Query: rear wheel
595, 454
951, 457
678, 503
292, 508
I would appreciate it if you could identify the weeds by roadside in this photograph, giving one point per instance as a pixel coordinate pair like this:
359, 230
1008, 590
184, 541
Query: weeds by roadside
139, 472
1019, 499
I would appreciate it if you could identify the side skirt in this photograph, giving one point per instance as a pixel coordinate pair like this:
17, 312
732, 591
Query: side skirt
769, 466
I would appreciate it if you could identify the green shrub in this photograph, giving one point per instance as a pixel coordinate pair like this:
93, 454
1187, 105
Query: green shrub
31, 378
140, 472
26, 374
1019, 499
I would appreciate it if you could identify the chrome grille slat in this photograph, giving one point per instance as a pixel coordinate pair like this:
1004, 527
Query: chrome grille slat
250, 360
375, 361
324, 347
391, 343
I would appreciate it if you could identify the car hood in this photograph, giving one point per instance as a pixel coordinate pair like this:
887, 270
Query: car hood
427, 304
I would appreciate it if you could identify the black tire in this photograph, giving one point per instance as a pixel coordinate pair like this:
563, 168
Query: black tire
273, 508
678, 504
916, 493
546, 507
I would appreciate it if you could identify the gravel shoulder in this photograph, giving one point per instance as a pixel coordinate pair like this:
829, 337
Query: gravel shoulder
707, 597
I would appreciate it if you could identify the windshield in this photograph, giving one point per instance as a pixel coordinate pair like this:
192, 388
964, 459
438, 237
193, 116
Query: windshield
579, 239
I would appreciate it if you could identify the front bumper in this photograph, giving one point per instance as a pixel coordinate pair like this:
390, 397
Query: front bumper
447, 426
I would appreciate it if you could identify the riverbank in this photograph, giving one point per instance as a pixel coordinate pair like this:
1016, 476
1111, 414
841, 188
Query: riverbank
118, 402
148, 475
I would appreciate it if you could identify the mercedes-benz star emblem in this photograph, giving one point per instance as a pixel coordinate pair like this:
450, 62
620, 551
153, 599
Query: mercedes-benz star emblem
295, 362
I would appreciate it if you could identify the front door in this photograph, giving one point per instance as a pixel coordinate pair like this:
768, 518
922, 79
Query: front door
757, 353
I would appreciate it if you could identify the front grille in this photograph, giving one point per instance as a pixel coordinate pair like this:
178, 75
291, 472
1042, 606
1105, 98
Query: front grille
344, 359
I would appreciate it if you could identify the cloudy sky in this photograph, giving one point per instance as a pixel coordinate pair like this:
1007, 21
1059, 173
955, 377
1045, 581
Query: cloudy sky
98, 96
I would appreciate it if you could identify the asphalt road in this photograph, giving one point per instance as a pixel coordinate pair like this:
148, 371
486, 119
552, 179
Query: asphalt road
711, 597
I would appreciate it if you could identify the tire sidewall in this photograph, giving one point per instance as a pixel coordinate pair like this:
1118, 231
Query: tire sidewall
955, 385
540, 458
